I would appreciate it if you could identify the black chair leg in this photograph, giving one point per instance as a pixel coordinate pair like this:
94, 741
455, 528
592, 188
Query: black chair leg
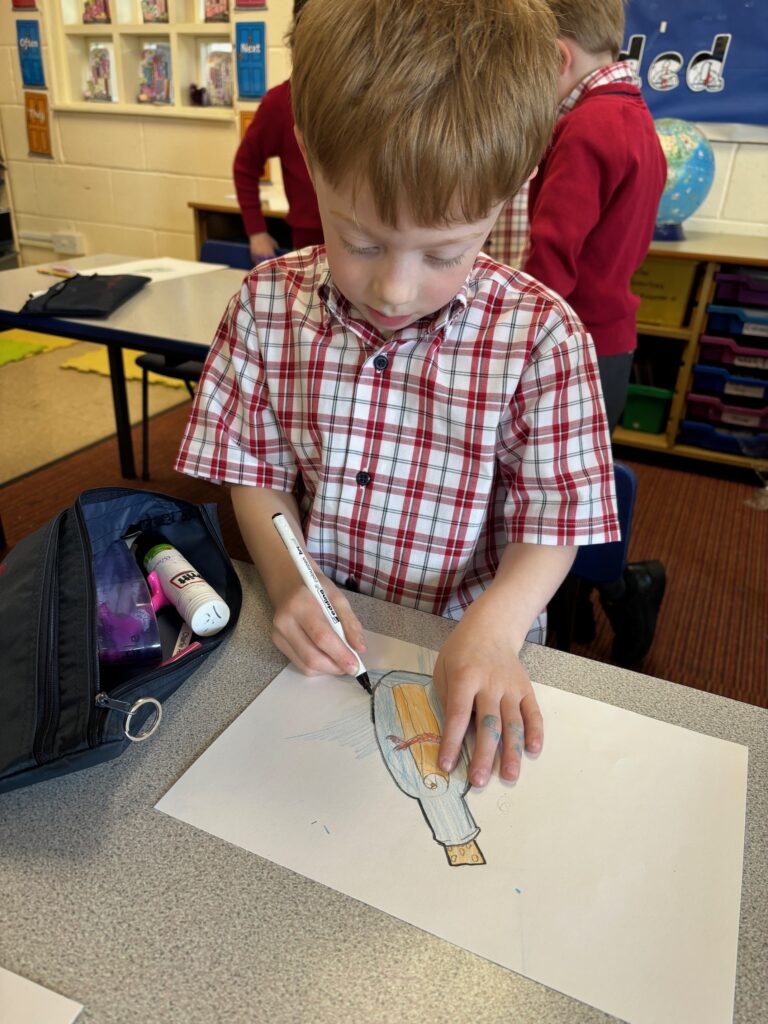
144, 425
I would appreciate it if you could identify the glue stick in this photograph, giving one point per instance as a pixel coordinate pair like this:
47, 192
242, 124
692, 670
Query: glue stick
182, 585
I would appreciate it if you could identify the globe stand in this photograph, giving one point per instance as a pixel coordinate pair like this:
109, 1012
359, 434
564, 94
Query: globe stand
668, 233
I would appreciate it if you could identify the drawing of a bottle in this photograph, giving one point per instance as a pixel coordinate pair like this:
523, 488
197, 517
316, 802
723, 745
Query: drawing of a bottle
408, 718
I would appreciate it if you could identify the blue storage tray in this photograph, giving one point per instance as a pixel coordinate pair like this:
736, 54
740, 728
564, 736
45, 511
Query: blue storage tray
738, 320
714, 380
735, 442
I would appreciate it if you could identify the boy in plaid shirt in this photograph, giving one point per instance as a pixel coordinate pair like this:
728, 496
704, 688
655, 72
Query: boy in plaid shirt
438, 414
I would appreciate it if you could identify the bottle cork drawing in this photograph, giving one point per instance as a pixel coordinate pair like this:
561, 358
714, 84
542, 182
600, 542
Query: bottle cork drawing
408, 718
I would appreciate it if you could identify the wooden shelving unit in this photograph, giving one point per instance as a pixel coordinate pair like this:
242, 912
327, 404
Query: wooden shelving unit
713, 252
189, 38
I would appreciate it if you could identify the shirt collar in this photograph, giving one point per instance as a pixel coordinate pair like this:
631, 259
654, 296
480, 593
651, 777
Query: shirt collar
611, 74
339, 308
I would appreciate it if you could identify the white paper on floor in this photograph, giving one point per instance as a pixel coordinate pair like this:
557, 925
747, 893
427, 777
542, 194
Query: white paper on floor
612, 868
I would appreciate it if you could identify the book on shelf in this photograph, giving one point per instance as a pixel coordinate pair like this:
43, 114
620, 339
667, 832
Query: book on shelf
154, 11
96, 11
218, 78
99, 85
155, 83
216, 10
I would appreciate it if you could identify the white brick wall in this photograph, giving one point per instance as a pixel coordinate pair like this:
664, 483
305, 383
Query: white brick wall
124, 182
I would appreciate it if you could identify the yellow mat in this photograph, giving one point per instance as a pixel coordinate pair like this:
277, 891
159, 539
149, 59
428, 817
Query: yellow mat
98, 362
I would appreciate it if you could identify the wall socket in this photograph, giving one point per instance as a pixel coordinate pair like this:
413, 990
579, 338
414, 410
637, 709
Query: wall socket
68, 243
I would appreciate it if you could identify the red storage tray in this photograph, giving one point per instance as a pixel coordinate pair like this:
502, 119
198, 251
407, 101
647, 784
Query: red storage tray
729, 352
747, 287
713, 410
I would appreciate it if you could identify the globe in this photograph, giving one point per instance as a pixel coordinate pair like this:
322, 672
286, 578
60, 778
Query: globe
690, 172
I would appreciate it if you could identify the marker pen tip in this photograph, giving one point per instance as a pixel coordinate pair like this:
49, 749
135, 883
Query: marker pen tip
365, 682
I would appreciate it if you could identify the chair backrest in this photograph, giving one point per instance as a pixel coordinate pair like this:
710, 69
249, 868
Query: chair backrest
233, 254
604, 563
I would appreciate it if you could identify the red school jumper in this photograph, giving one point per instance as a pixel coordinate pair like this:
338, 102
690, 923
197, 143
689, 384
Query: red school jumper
592, 208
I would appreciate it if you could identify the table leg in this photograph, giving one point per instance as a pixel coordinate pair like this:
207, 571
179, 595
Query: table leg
122, 418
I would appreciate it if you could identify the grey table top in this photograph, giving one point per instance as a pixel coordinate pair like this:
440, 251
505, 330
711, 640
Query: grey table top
142, 918
184, 309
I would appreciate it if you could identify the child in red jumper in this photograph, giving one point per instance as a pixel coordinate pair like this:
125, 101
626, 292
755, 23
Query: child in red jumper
271, 134
593, 203
592, 209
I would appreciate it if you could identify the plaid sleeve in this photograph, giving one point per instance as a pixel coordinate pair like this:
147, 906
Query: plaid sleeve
556, 455
232, 434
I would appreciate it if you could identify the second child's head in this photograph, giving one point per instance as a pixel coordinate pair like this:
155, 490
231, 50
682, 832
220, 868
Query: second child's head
419, 119
591, 34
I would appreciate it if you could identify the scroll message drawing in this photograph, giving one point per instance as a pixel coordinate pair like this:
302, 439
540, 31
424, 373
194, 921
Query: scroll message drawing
407, 717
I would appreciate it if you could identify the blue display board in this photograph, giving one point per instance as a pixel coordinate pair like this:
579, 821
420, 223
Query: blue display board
30, 55
701, 60
251, 65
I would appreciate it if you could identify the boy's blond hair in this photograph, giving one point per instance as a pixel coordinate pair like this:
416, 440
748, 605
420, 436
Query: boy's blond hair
442, 107
596, 25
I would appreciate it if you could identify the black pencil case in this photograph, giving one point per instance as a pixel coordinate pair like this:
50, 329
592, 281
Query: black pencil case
61, 707
86, 295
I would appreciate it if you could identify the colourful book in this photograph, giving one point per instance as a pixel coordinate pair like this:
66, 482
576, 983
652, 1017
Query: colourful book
96, 11
99, 84
216, 10
154, 11
218, 78
155, 74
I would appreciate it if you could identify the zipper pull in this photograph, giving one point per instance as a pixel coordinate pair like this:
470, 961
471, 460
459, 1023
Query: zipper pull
102, 700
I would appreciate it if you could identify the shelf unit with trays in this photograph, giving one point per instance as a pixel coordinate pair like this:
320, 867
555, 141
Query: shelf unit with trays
713, 252
187, 34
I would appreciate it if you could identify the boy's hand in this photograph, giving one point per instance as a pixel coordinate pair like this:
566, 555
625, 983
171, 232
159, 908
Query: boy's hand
261, 245
302, 632
479, 670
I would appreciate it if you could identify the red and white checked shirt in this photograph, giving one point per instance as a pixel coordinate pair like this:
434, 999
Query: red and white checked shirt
421, 456
508, 241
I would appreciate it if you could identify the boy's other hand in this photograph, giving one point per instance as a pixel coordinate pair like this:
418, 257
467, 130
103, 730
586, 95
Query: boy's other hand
262, 245
479, 671
302, 632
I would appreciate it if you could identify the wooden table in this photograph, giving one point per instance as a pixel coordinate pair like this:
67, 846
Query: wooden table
177, 317
144, 919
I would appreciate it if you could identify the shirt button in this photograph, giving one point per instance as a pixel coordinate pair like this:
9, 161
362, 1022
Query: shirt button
363, 478
381, 362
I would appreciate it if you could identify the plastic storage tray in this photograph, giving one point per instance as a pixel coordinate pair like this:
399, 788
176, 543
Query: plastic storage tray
734, 442
750, 392
664, 287
728, 352
747, 287
738, 320
646, 408
713, 410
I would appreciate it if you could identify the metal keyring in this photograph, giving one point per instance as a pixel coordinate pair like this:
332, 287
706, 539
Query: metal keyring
149, 726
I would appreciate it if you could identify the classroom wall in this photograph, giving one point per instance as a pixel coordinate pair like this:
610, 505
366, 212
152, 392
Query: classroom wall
123, 181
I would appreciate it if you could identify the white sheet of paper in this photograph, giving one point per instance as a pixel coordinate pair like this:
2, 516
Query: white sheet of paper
613, 867
24, 1002
164, 268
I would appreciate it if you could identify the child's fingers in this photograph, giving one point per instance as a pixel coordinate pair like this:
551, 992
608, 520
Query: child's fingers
533, 723
512, 738
487, 736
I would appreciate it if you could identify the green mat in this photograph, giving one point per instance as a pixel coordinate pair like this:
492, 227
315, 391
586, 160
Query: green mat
17, 344
13, 351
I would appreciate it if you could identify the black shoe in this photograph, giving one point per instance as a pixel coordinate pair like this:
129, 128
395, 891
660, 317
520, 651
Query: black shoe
633, 613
